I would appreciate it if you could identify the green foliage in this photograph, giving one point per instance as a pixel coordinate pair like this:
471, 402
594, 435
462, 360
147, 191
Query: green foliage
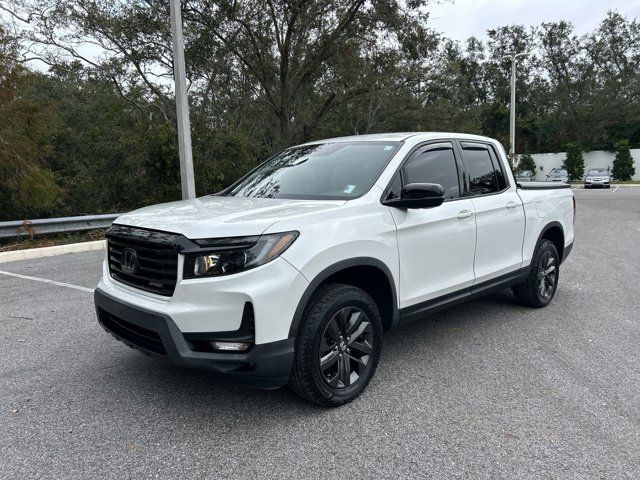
574, 163
27, 186
526, 163
495, 119
623, 167
108, 155
223, 157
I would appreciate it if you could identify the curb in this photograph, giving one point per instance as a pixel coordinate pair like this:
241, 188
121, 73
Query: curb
31, 253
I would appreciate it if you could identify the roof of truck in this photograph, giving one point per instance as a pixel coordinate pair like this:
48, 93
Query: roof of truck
400, 137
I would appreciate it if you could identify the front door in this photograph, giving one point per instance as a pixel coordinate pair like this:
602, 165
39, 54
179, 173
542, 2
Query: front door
436, 245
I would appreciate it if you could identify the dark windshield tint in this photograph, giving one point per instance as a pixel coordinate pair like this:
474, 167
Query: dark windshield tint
340, 170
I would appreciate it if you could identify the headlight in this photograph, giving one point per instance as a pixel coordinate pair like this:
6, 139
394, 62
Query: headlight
225, 256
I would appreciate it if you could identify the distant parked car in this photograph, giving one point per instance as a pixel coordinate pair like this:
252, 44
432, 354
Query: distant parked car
558, 175
597, 177
524, 176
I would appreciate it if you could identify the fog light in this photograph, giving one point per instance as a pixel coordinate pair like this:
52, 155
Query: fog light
230, 346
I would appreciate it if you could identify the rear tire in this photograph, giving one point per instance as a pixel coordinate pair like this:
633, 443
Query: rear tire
539, 288
338, 346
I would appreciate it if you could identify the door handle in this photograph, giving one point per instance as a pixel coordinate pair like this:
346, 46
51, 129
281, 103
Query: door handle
464, 214
512, 205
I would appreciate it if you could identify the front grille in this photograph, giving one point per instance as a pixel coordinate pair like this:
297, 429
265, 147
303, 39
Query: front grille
142, 337
144, 259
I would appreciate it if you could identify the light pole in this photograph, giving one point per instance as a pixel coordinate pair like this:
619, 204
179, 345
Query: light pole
182, 103
512, 109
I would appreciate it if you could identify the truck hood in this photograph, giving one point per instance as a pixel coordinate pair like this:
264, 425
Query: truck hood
213, 216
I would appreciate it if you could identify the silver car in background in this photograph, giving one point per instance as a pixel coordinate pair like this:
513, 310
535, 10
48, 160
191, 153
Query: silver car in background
558, 175
597, 177
525, 176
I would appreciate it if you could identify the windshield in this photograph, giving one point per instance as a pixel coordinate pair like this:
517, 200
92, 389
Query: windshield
598, 171
327, 171
559, 173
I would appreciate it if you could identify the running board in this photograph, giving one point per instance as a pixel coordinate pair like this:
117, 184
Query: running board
424, 309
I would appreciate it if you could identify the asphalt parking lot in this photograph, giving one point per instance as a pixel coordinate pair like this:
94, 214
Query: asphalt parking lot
484, 390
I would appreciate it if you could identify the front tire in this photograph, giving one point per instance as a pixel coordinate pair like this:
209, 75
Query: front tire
539, 288
338, 346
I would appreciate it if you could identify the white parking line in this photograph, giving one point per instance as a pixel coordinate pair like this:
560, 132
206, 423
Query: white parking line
617, 187
44, 280
576, 188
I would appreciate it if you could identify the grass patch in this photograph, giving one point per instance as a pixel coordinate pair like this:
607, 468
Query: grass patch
49, 240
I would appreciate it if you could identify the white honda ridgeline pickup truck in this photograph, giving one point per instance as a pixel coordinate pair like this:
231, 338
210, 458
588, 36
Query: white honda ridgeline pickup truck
293, 273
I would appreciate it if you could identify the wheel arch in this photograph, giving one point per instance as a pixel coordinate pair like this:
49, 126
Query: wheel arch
554, 232
367, 273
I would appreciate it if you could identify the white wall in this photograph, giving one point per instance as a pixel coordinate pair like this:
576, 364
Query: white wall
596, 159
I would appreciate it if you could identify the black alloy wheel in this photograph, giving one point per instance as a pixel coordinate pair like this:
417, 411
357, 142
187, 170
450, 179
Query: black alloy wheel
540, 286
345, 348
338, 345
547, 274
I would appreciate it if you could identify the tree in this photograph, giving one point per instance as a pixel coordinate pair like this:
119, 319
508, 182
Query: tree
27, 185
574, 163
623, 168
526, 163
300, 60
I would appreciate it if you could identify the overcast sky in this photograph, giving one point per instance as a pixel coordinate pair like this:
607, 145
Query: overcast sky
459, 19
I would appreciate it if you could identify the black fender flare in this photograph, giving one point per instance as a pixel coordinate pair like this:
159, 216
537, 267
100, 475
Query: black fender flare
544, 230
335, 268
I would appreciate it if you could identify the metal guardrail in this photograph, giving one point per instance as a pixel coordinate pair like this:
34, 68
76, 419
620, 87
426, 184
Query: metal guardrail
56, 225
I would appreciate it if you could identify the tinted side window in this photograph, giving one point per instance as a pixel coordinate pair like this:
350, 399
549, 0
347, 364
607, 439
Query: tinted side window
433, 165
497, 166
482, 177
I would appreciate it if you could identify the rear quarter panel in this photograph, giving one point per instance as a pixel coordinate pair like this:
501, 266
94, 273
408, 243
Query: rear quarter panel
541, 208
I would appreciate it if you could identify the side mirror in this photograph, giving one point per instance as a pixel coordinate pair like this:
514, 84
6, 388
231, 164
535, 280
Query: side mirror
418, 195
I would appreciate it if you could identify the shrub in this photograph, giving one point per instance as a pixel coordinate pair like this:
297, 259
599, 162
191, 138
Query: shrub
526, 163
574, 163
623, 168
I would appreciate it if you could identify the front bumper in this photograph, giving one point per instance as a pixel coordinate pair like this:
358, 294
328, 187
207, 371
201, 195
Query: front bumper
265, 365
216, 304
597, 183
567, 251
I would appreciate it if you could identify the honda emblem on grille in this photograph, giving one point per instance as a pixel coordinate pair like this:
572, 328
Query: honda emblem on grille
129, 261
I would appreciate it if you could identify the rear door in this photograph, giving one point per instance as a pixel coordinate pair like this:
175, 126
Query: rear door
436, 245
499, 212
